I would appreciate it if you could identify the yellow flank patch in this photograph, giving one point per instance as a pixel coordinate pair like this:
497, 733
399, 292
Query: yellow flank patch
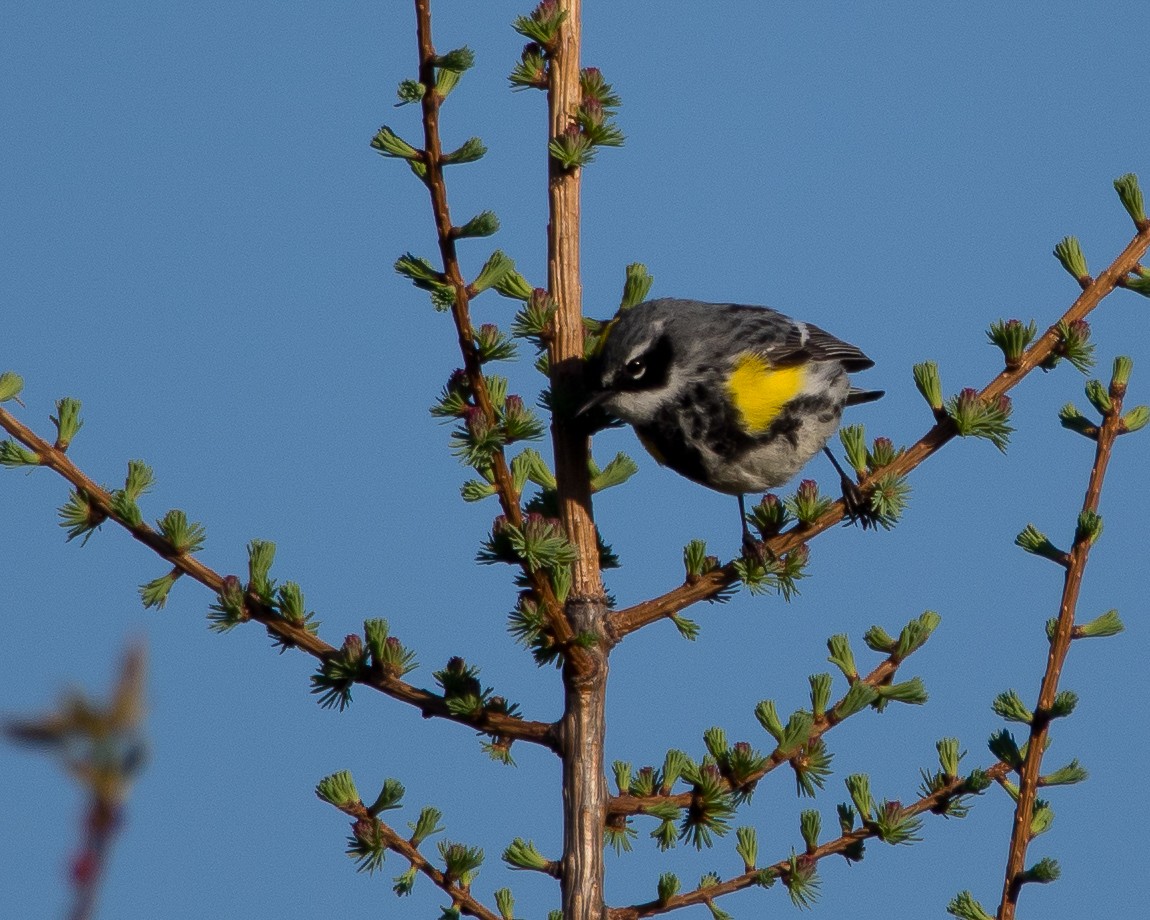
760, 391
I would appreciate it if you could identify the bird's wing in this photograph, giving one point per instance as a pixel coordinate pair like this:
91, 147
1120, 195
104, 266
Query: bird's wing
804, 342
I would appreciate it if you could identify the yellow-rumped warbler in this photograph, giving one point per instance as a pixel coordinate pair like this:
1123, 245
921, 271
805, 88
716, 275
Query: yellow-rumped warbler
734, 397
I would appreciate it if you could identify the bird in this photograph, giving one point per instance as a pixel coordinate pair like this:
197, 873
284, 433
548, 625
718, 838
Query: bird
732, 396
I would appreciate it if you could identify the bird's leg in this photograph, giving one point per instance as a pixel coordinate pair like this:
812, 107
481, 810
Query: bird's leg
752, 548
854, 499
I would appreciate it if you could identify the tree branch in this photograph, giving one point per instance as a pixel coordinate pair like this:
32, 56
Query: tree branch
705, 587
461, 896
461, 313
429, 704
1028, 782
621, 805
936, 802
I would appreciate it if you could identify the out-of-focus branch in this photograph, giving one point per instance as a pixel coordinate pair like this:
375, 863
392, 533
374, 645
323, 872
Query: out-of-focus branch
102, 747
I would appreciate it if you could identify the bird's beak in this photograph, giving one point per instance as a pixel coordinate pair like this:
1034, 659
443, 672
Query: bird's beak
596, 400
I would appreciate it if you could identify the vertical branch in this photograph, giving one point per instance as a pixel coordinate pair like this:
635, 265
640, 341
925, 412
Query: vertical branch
432, 158
584, 677
1028, 781
571, 444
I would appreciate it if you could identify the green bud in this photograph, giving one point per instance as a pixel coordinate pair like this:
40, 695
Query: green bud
668, 886
820, 692
858, 697
11, 385
389, 797
949, 756
810, 826
842, 656
747, 847
1108, 624
184, 536
261, 554
514, 287
1098, 396
469, 151
622, 771
154, 594
858, 785
1064, 703
1069, 775
404, 883
1013, 338
1089, 527
421, 273
929, 384
1074, 420
338, 790
1074, 345
543, 24
965, 907
1003, 746
459, 59
688, 629
878, 639
636, 285
410, 91
67, 421
482, 224
915, 634
1068, 251
1139, 284
460, 861
522, 854
1131, 197
390, 144
497, 267
1123, 365
853, 438
505, 903
1044, 871
715, 740
14, 455
1135, 419
912, 692
1009, 706
1034, 541
976, 417
674, 764
1043, 818
615, 473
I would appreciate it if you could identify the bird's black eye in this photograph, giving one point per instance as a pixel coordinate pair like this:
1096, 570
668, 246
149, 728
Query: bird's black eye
635, 368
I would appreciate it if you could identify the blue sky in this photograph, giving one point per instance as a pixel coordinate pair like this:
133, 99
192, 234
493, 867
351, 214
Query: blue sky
197, 242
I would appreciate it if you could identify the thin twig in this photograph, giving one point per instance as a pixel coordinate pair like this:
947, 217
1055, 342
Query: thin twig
936, 802
432, 159
707, 586
1028, 782
461, 896
429, 704
635, 804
